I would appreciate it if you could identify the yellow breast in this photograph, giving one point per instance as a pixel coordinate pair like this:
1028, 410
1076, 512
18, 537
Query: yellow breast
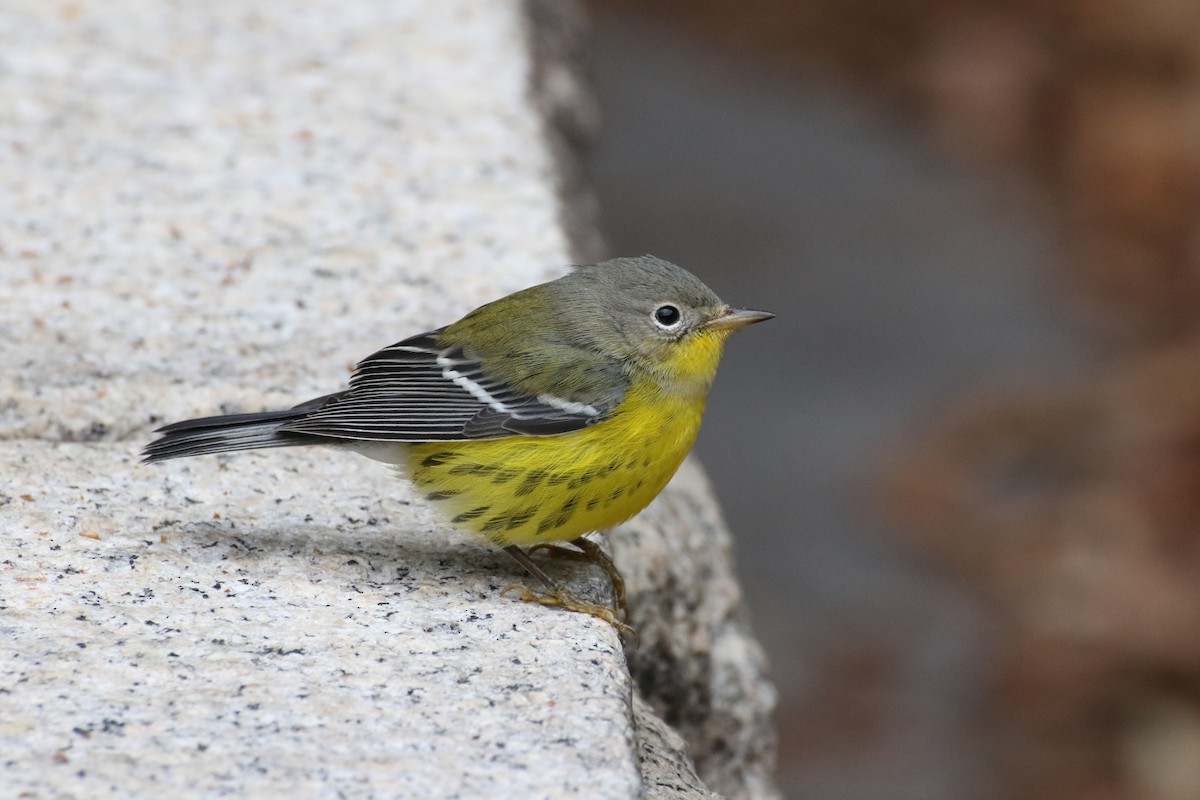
525, 490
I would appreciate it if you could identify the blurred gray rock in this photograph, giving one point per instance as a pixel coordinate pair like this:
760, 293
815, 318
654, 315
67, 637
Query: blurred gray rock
698, 665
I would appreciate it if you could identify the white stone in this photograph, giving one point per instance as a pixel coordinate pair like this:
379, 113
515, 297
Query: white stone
220, 206
267, 624
217, 206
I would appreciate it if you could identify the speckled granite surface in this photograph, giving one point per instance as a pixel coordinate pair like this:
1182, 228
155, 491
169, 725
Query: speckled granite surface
209, 206
217, 207
273, 624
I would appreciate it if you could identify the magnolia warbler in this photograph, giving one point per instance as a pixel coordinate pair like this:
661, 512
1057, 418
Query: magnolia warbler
554, 412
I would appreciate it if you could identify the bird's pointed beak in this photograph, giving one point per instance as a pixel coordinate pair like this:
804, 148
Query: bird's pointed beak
738, 318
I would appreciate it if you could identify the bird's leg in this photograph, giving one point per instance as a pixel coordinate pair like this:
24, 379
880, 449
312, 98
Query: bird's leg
557, 595
591, 553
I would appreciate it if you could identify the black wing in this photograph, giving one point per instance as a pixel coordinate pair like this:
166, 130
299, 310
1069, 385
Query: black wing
417, 391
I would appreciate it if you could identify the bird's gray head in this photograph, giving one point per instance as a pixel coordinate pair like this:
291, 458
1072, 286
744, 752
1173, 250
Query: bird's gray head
650, 312
643, 313
643, 301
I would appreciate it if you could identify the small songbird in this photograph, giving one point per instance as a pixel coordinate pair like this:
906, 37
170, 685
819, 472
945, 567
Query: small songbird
554, 412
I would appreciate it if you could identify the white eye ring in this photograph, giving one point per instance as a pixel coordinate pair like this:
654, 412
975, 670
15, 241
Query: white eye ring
667, 316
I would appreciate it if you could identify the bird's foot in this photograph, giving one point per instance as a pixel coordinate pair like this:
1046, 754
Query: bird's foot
591, 553
558, 596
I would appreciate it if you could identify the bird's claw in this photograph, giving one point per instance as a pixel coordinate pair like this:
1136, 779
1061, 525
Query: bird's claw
563, 599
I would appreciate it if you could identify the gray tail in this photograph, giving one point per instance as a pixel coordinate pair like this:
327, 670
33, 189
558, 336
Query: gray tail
196, 437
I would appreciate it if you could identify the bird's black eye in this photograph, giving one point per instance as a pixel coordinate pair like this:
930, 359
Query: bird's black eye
667, 316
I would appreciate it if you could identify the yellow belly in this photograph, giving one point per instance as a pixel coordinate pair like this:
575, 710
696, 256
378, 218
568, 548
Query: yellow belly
524, 490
